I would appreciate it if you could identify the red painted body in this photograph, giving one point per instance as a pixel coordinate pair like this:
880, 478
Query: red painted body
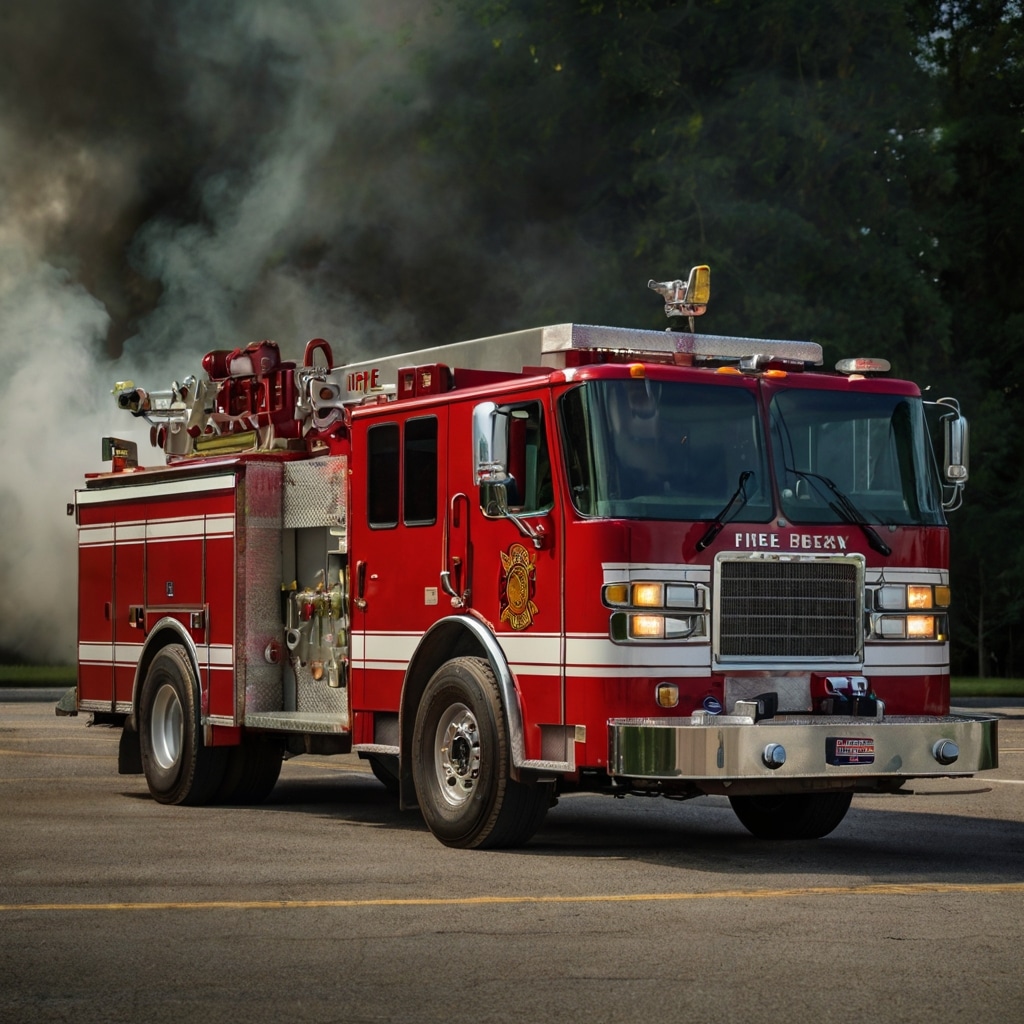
185, 548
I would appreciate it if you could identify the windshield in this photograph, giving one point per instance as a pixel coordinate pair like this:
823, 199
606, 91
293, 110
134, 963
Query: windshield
853, 457
644, 449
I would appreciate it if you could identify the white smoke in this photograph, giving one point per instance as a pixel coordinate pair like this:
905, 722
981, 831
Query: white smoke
323, 164
297, 112
50, 332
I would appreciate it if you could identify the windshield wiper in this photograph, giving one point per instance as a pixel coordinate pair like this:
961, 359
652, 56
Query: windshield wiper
739, 499
845, 509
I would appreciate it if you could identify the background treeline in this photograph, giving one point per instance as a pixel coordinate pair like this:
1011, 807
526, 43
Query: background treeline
392, 175
852, 172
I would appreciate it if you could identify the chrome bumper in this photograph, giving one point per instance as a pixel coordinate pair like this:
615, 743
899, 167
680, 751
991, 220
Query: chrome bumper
727, 748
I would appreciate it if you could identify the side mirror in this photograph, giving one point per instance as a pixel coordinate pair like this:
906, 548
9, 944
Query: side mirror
956, 435
490, 445
490, 465
956, 455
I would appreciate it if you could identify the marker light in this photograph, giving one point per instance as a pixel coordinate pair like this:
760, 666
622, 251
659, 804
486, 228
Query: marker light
666, 695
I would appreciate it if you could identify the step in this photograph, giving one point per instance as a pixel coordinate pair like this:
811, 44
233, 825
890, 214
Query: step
298, 721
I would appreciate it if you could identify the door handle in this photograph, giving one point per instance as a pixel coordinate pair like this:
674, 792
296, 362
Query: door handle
360, 598
458, 600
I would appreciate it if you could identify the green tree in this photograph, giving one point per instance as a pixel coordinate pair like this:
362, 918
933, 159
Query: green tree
974, 51
788, 145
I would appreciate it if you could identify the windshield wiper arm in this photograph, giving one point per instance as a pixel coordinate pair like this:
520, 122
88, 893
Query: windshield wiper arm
720, 520
846, 510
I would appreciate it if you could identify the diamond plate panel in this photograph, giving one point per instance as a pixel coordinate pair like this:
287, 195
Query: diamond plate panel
258, 683
316, 696
314, 493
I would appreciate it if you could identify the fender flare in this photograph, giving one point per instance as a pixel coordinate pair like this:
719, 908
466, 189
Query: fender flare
166, 631
448, 638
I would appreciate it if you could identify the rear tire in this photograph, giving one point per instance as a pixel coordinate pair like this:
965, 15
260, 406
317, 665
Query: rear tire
179, 768
252, 770
792, 816
385, 770
461, 763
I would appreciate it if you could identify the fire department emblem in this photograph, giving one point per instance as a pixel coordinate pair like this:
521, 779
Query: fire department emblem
518, 582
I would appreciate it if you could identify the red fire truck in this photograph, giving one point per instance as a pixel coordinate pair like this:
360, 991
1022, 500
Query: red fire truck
566, 558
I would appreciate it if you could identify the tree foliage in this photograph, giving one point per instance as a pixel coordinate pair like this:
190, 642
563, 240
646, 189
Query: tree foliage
788, 145
974, 50
406, 174
850, 171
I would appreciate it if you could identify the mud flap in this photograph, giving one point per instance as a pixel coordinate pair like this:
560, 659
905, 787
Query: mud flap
129, 753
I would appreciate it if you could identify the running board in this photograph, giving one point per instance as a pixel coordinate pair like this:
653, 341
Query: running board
298, 721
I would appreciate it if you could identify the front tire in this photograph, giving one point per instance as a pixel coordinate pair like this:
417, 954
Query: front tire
179, 768
461, 763
792, 816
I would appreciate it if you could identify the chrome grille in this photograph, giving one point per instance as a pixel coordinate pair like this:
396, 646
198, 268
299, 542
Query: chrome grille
779, 608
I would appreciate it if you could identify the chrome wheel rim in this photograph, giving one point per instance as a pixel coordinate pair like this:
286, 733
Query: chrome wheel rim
457, 754
167, 727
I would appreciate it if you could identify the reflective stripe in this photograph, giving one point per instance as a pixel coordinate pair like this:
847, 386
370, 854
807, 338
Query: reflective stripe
214, 656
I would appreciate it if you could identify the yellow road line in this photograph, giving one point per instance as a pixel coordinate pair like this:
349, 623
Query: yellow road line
63, 756
871, 889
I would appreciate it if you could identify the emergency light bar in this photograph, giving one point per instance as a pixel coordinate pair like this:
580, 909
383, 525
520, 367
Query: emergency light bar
559, 346
863, 365
576, 337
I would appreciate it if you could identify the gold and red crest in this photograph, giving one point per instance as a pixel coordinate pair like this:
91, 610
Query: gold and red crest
517, 586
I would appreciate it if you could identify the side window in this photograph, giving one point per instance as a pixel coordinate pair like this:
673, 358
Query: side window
579, 452
382, 475
419, 472
529, 463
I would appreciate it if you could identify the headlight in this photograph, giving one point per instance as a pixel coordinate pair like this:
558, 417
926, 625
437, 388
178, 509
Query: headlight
897, 597
652, 610
627, 626
920, 627
648, 595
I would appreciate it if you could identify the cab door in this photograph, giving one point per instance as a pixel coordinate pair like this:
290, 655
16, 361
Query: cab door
516, 538
397, 520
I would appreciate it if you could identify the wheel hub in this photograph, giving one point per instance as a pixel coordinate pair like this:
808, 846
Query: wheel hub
167, 727
457, 754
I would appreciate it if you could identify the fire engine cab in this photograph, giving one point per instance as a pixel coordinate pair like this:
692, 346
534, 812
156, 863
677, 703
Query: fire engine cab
566, 558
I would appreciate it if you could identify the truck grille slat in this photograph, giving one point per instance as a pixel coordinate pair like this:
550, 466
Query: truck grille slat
776, 608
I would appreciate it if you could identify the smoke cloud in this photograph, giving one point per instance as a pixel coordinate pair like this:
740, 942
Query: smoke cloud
182, 177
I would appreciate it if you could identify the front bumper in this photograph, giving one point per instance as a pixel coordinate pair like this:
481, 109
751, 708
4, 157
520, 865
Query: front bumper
713, 753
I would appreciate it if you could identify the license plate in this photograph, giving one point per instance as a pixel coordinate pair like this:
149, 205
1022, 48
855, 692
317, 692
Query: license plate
847, 750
